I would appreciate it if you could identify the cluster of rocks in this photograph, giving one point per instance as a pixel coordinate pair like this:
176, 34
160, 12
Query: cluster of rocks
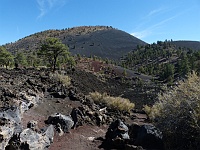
11, 130
25, 89
119, 135
133, 137
19, 91
61, 122
32, 138
10, 123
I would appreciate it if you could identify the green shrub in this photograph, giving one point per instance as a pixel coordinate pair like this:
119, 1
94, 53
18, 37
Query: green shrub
177, 114
117, 103
64, 79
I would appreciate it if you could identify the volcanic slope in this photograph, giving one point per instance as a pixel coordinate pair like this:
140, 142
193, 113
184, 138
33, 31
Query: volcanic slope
194, 45
101, 41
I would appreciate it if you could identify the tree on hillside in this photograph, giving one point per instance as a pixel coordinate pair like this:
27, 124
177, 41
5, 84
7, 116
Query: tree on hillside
54, 52
70, 61
20, 59
183, 64
168, 73
33, 60
6, 58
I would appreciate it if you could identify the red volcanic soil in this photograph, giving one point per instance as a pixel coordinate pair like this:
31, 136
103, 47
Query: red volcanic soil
82, 138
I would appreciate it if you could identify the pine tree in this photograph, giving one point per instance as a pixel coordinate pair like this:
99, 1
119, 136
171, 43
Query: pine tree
6, 58
54, 52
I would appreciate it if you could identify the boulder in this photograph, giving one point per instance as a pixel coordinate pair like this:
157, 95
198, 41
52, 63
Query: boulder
76, 96
116, 136
133, 147
30, 97
59, 95
72, 95
6, 133
58, 91
133, 131
25, 106
117, 129
34, 141
10, 124
77, 117
49, 133
149, 137
62, 121
146, 136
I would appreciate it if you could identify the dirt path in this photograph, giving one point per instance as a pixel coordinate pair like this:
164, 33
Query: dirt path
81, 138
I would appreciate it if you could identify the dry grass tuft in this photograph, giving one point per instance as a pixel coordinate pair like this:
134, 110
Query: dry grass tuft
118, 103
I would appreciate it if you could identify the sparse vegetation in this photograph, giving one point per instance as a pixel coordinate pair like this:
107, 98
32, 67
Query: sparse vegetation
118, 103
177, 114
6, 58
64, 79
21, 59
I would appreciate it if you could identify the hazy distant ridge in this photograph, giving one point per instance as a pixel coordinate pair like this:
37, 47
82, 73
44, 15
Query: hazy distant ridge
195, 45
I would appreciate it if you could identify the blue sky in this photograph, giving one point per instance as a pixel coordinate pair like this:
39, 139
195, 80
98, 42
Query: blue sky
149, 20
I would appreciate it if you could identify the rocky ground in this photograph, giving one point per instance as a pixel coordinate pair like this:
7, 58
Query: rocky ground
30, 94
95, 75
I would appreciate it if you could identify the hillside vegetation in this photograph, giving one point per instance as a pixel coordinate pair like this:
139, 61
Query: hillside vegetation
163, 60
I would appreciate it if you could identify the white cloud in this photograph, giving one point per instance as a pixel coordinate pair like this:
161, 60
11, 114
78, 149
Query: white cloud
141, 31
162, 22
42, 8
141, 34
46, 5
154, 12
152, 29
18, 31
